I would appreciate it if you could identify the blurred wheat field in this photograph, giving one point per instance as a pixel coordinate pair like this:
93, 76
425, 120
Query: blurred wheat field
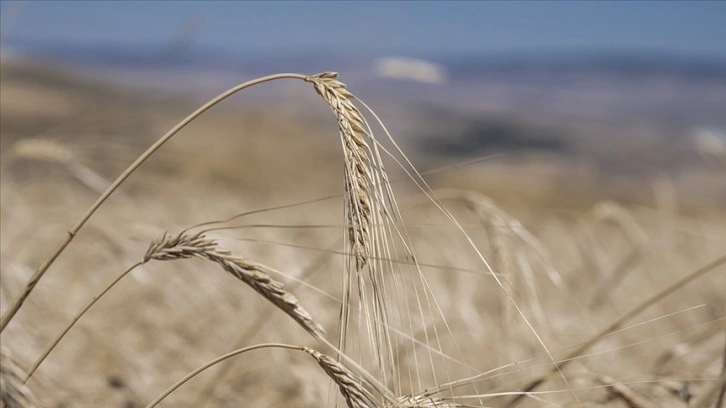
399, 279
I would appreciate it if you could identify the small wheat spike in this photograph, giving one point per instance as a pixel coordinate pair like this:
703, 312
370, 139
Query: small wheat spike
356, 396
255, 275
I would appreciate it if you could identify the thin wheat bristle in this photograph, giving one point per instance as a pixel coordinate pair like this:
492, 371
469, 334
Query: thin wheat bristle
13, 392
351, 387
255, 275
358, 180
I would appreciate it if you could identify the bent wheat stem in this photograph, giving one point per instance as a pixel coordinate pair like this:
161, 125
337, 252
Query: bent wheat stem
351, 387
216, 361
70, 234
83, 311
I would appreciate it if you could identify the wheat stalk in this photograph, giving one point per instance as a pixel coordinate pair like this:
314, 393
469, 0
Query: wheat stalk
184, 246
68, 237
351, 386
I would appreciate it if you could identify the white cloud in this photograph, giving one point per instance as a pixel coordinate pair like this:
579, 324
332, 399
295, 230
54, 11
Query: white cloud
709, 141
410, 69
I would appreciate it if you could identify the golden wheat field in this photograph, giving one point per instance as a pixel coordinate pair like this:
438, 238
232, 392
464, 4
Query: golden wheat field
296, 239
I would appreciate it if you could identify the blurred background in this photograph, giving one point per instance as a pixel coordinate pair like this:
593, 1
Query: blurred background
616, 93
595, 130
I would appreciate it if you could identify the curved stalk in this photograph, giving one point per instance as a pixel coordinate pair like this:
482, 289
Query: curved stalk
83, 311
70, 234
216, 361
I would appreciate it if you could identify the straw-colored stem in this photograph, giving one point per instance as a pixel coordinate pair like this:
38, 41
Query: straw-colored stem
216, 361
83, 311
70, 234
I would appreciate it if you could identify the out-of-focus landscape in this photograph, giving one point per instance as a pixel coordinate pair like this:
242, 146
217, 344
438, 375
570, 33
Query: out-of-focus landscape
566, 186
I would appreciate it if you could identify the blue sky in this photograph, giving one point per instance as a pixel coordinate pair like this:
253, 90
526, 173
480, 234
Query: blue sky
692, 28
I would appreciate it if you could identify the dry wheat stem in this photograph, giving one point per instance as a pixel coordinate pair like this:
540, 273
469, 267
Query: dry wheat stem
184, 246
68, 237
351, 387
65, 331
217, 360
255, 275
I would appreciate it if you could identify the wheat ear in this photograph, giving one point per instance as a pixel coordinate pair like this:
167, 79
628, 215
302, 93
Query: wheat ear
184, 246
355, 394
257, 276
358, 178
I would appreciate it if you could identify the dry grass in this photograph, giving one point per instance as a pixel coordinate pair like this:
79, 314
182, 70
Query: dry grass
420, 320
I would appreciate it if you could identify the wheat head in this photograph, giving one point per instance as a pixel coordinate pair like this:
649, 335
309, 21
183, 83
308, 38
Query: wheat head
355, 394
257, 276
358, 158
